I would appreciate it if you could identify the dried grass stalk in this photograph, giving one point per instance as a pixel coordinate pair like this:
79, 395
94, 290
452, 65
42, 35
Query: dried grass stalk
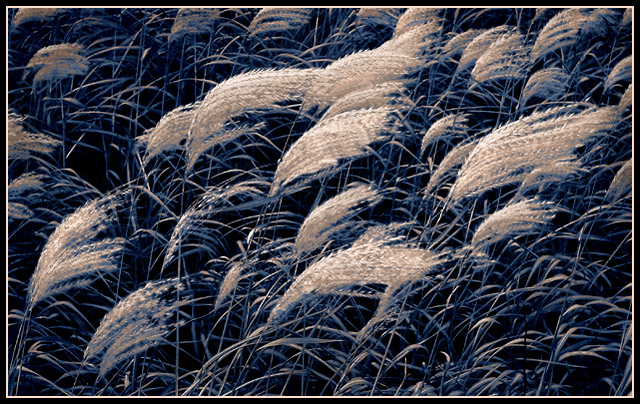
243, 93
522, 218
57, 62
332, 217
139, 322
75, 253
324, 146
360, 265
508, 154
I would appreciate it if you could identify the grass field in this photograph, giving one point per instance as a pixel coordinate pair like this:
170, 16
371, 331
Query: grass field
319, 201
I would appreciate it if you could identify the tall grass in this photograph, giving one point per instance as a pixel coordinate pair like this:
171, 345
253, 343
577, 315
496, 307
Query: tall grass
319, 201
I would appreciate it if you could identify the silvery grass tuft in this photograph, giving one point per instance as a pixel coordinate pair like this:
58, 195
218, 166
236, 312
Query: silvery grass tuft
23, 145
457, 43
622, 71
213, 200
193, 21
40, 14
137, 323
329, 142
20, 193
332, 217
622, 183
445, 129
392, 60
548, 84
568, 27
77, 252
256, 90
57, 62
479, 45
389, 93
508, 154
273, 20
506, 58
169, 134
359, 265
455, 157
526, 217
415, 17
372, 16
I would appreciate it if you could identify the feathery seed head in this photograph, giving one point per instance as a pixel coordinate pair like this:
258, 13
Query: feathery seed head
169, 133
58, 62
74, 253
415, 16
445, 128
548, 84
243, 93
28, 14
328, 218
22, 145
138, 322
566, 28
360, 70
193, 21
269, 20
360, 265
455, 157
322, 147
212, 201
517, 219
626, 99
508, 154
506, 58
458, 43
621, 72
554, 172
622, 183
389, 93
26, 183
18, 211
480, 44
373, 16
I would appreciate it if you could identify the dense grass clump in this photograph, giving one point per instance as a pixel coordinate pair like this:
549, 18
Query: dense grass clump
319, 201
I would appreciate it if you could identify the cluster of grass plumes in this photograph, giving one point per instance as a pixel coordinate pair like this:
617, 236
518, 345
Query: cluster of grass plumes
320, 201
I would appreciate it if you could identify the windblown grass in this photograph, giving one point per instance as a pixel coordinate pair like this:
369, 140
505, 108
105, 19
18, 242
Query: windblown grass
320, 201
